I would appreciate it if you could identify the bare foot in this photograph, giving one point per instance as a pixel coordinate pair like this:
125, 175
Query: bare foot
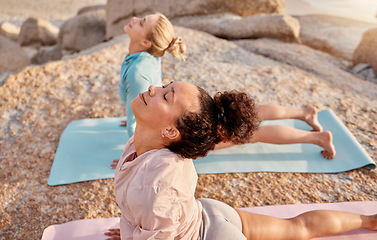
311, 118
370, 222
325, 142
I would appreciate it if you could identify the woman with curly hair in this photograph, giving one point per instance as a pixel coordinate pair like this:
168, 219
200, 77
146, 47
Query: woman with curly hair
155, 178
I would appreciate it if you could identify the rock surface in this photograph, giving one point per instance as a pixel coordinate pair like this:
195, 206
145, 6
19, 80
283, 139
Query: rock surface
91, 8
364, 71
37, 32
334, 35
39, 102
12, 56
366, 51
119, 12
46, 54
229, 26
83, 31
9, 30
321, 64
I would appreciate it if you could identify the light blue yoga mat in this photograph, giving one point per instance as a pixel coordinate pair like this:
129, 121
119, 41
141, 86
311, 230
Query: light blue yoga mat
86, 150
88, 146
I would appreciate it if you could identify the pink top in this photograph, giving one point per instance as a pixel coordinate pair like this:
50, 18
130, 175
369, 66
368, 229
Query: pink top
155, 193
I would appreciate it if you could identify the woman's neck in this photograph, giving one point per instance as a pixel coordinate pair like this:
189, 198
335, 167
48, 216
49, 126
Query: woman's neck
135, 48
145, 141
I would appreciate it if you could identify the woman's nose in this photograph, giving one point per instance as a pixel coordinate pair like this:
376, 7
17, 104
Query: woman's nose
134, 19
152, 91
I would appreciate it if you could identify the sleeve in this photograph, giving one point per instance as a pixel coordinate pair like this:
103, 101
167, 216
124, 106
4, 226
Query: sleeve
157, 215
135, 83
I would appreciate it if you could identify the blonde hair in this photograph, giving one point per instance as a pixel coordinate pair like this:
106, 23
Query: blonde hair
162, 38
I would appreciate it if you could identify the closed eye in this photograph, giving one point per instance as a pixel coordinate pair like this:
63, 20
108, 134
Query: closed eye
164, 86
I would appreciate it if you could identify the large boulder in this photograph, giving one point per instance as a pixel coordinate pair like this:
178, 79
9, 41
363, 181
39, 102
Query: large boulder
229, 26
318, 63
12, 57
119, 12
366, 51
83, 31
46, 54
9, 30
334, 35
37, 32
90, 8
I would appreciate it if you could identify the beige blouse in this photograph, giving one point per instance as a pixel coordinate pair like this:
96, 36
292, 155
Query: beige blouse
155, 193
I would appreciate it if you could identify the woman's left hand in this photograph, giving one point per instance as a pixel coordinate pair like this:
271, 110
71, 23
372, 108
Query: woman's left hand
114, 234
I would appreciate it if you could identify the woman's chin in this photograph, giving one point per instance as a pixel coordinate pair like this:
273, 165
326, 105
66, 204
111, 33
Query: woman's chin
125, 29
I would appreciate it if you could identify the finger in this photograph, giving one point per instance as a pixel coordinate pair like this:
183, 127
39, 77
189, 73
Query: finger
112, 232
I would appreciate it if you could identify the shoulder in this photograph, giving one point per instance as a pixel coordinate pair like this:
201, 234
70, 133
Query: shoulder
167, 166
144, 59
164, 160
145, 65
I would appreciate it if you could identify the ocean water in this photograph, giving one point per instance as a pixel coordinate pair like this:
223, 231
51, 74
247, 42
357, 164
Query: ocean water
359, 9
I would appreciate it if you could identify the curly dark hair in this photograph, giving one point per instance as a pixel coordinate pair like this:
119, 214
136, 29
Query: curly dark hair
229, 116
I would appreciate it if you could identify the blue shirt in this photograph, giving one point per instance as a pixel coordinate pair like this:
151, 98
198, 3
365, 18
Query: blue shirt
139, 71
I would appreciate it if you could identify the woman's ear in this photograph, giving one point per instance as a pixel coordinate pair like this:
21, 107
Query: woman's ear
171, 133
146, 44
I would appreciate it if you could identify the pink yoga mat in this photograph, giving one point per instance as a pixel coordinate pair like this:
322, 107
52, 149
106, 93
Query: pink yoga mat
93, 229
87, 229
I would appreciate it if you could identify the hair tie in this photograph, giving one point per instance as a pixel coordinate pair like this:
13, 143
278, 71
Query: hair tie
176, 41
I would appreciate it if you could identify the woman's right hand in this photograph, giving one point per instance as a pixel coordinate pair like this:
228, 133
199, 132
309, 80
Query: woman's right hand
113, 233
123, 123
114, 164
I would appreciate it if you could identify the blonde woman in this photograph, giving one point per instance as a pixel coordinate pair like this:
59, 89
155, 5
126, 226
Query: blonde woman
155, 179
150, 37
